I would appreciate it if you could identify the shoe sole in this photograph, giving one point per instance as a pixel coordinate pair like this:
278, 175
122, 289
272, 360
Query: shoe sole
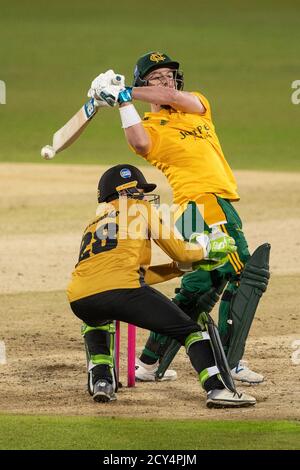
154, 379
145, 380
166, 379
101, 397
228, 404
248, 382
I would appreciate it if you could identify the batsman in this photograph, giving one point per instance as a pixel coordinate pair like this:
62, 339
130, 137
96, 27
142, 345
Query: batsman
179, 138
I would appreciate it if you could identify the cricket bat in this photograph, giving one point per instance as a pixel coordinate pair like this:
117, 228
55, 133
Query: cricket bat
70, 132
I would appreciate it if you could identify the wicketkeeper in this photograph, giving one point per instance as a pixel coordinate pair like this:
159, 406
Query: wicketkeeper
179, 138
111, 278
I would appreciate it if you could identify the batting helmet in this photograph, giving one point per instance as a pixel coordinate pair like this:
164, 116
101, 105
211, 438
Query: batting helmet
121, 177
152, 61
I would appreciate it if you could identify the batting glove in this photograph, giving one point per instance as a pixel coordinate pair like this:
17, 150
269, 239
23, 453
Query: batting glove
102, 83
125, 96
110, 95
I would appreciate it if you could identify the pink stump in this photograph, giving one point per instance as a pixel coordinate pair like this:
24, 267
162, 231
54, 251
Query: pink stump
117, 349
131, 356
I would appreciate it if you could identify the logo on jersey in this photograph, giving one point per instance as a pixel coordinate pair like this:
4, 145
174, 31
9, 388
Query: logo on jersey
125, 173
157, 57
199, 132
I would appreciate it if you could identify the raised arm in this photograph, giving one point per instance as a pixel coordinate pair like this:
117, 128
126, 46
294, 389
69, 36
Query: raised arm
179, 100
137, 137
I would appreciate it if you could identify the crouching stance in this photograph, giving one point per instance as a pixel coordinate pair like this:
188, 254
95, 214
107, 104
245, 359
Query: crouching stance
111, 282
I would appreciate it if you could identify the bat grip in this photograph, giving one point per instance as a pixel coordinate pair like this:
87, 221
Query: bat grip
116, 80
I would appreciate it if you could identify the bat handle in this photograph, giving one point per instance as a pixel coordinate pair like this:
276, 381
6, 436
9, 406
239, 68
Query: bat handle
117, 79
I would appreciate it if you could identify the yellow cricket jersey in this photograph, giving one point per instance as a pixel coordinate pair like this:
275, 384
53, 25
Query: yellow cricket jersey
115, 251
185, 147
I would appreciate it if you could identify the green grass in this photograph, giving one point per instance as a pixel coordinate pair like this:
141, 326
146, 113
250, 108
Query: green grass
41, 432
242, 55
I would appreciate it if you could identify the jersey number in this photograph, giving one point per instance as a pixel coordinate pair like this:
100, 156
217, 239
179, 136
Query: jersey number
105, 239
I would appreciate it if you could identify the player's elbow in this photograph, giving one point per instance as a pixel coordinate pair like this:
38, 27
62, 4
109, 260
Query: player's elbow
141, 147
138, 140
185, 102
171, 96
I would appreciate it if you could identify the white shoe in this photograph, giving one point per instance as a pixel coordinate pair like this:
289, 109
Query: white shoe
226, 399
146, 372
242, 373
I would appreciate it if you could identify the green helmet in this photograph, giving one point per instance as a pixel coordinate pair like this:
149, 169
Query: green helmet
152, 61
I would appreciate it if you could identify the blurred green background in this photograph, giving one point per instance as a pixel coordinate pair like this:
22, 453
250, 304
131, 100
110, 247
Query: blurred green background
242, 55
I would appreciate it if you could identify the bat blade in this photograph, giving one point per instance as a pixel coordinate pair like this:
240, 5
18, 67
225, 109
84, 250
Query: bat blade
67, 134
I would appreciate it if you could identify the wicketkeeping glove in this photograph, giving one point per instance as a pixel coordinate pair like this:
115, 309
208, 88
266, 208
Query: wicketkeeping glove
216, 246
210, 265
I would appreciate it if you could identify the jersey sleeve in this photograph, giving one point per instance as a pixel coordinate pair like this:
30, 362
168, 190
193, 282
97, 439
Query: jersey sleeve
205, 103
162, 273
176, 248
154, 139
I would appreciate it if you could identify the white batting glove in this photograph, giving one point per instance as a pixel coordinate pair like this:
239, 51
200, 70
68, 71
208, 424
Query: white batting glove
108, 78
98, 102
110, 94
109, 81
